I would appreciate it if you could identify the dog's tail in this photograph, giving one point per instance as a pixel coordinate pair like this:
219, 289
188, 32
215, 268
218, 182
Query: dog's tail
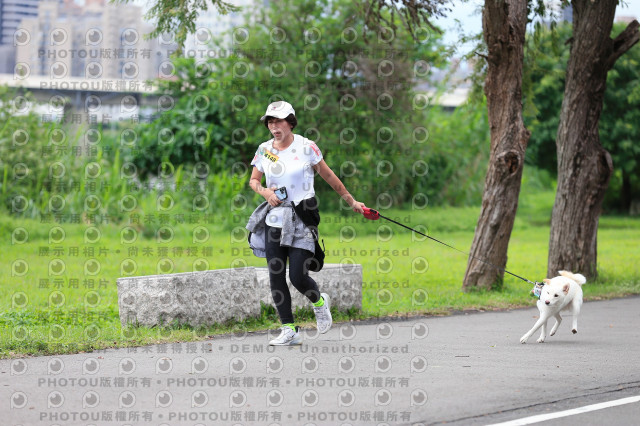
579, 278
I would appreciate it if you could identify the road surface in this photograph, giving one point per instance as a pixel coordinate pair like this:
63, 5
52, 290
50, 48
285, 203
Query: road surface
462, 369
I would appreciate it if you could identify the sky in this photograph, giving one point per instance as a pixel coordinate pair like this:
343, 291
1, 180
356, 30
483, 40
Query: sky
464, 11
468, 13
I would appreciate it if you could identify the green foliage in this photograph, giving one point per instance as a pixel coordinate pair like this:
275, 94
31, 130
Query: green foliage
546, 69
28, 148
39, 320
537, 13
354, 98
192, 132
619, 130
52, 173
458, 156
195, 155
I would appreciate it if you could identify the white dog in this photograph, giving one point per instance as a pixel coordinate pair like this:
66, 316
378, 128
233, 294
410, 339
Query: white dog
559, 293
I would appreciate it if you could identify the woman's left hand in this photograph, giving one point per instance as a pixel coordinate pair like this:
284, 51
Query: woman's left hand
357, 207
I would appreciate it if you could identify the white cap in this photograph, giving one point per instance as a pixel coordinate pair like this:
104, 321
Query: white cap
280, 109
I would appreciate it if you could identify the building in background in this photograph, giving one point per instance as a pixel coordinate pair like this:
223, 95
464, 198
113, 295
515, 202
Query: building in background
98, 40
211, 24
626, 19
12, 12
567, 13
557, 12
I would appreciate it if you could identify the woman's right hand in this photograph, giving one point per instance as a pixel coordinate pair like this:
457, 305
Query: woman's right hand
272, 198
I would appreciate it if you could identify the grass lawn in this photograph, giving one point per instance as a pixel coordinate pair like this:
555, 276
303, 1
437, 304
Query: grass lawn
59, 295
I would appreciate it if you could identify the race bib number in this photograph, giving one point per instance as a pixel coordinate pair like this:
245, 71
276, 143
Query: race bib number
269, 155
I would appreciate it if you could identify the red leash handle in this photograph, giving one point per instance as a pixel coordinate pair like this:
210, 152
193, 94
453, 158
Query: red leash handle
370, 214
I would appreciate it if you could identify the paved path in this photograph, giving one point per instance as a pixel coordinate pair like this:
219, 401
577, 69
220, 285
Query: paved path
462, 369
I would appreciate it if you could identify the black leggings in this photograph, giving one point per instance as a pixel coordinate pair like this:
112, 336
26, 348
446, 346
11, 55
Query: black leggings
298, 273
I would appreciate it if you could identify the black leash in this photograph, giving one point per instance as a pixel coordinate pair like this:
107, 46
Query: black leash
374, 215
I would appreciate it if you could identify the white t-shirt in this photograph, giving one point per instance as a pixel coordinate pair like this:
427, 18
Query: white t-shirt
292, 168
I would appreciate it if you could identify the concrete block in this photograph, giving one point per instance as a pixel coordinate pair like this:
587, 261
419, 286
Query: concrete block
342, 282
194, 298
209, 297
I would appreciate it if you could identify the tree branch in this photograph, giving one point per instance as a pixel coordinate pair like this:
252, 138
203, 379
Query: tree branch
625, 41
486, 58
413, 14
179, 17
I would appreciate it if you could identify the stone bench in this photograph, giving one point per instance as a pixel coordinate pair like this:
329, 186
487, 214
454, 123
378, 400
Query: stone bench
209, 297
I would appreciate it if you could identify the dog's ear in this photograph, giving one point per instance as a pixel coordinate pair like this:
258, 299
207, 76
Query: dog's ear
546, 281
565, 288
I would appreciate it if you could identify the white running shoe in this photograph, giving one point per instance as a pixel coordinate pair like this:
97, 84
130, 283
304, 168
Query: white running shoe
287, 337
323, 314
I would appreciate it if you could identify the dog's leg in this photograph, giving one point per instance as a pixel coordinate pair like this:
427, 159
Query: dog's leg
543, 333
575, 310
536, 326
557, 324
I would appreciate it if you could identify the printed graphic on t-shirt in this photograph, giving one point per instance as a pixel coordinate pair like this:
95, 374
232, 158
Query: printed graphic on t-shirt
315, 148
291, 167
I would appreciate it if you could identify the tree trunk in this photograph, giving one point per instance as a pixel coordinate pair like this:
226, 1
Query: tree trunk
584, 166
503, 23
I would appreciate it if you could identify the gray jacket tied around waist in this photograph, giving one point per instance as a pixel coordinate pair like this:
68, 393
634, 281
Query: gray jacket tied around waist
294, 232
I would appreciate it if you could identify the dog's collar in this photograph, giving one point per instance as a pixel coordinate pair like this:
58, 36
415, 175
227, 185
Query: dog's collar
537, 290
